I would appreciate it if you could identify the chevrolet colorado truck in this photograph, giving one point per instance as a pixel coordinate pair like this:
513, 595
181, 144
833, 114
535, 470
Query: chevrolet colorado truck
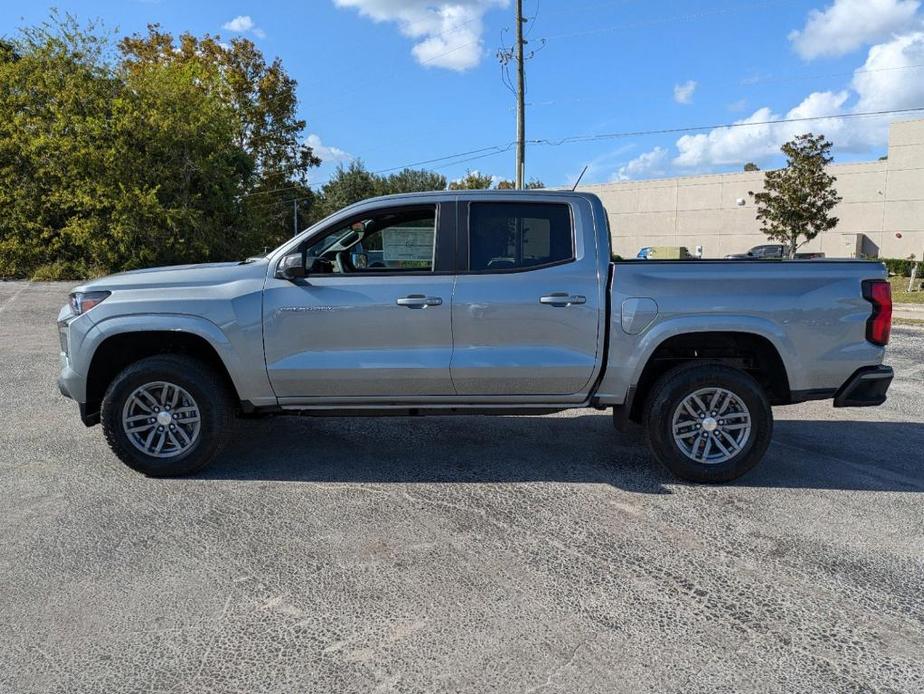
481, 302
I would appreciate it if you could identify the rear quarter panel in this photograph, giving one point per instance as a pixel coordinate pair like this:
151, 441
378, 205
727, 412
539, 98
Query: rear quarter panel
813, 312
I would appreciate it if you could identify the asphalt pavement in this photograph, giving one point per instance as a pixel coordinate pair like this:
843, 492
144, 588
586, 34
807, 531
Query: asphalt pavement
470, 554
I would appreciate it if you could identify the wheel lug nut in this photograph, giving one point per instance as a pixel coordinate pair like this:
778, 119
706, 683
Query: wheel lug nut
160, 428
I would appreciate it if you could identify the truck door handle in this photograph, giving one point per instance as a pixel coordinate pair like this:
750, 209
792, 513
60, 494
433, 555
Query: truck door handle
418, 301
562, 299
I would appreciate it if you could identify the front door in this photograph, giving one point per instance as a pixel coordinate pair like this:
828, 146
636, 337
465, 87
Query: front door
373, 317
526, 315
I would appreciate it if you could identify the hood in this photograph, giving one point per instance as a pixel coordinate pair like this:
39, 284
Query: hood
178, 276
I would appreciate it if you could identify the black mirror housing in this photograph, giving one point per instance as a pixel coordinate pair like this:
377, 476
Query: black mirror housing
292, 267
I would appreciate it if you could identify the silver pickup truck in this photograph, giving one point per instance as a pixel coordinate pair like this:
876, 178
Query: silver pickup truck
472, 303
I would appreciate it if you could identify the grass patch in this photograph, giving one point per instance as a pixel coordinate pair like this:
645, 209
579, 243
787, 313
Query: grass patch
900, 293
917, 322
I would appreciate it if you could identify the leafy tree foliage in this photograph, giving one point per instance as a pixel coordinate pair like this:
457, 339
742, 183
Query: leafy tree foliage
153, 155
472, 180
354, 182
411, 181
796, 202
532, 184
751, 166
349, 184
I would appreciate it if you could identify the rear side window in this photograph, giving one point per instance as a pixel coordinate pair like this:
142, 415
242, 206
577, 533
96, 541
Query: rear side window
518, 236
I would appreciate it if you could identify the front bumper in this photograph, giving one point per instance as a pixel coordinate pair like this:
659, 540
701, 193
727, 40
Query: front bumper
865, 388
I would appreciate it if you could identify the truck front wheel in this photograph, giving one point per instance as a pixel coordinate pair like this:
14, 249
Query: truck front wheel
708, 422
167, 415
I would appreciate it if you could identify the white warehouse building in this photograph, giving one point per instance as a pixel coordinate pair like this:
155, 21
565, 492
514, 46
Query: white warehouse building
881, 214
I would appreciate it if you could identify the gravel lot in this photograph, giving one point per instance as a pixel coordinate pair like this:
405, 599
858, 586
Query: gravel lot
513, 554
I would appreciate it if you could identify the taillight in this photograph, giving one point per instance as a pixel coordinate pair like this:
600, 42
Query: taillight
879, 324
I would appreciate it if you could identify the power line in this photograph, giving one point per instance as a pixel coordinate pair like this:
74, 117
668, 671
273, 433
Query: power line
501, 148
740, 124
494, 150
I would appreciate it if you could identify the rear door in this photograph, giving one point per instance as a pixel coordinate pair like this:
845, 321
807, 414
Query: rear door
372, 319
526, 311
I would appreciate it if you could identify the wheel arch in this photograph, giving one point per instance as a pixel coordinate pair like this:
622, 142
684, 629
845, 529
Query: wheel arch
121, 348
752, 352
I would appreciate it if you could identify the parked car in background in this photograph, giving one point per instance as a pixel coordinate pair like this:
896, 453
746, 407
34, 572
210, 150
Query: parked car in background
770, 251
665, 253
474, 302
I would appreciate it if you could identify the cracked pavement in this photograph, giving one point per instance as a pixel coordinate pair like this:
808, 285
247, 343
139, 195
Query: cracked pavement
469, 554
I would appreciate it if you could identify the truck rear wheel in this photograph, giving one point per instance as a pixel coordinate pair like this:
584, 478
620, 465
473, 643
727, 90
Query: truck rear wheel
167, 415
708, 422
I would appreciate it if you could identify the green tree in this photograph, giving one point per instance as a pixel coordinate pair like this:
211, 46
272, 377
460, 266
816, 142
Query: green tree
349, 184
263, 99
410, 181
116, 160
354, 182
751, 166
472, 180
796, 202
532, 184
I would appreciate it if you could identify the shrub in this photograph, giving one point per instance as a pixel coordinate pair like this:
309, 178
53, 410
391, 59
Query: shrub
902, 267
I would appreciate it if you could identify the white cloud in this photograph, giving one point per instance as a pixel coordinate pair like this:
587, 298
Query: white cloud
647, 165
891, 78
888, 78
730, 146
326, 153
239, 24
738, 105
683, 93
243, 24
447, 33
847, 25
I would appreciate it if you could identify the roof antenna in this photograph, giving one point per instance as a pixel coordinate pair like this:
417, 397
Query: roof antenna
583, 171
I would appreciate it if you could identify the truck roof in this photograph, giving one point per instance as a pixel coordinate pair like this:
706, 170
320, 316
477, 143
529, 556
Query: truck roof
481, 195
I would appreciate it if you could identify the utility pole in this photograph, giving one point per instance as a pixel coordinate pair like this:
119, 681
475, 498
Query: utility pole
295, 217
521, 105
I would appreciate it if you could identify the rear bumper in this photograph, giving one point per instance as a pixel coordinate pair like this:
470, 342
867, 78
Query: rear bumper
866, 388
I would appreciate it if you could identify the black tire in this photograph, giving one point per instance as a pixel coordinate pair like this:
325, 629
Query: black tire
199, 380
666, 397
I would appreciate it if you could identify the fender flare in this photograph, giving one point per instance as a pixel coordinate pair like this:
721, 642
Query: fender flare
168, 322
625, 376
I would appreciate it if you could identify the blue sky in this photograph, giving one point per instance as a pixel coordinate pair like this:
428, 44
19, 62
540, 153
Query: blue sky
396, 82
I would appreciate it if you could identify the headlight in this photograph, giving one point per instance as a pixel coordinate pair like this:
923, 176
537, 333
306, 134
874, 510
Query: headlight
81, 302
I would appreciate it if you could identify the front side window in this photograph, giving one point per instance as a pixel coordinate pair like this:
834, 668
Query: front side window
395, 241
515, 236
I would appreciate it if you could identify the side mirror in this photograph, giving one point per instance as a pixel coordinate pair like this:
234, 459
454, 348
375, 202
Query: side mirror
292, 267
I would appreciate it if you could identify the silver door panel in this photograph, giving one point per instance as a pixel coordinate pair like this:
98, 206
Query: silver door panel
348, 336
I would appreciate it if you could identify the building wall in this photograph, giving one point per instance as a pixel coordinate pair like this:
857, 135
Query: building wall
880, 199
